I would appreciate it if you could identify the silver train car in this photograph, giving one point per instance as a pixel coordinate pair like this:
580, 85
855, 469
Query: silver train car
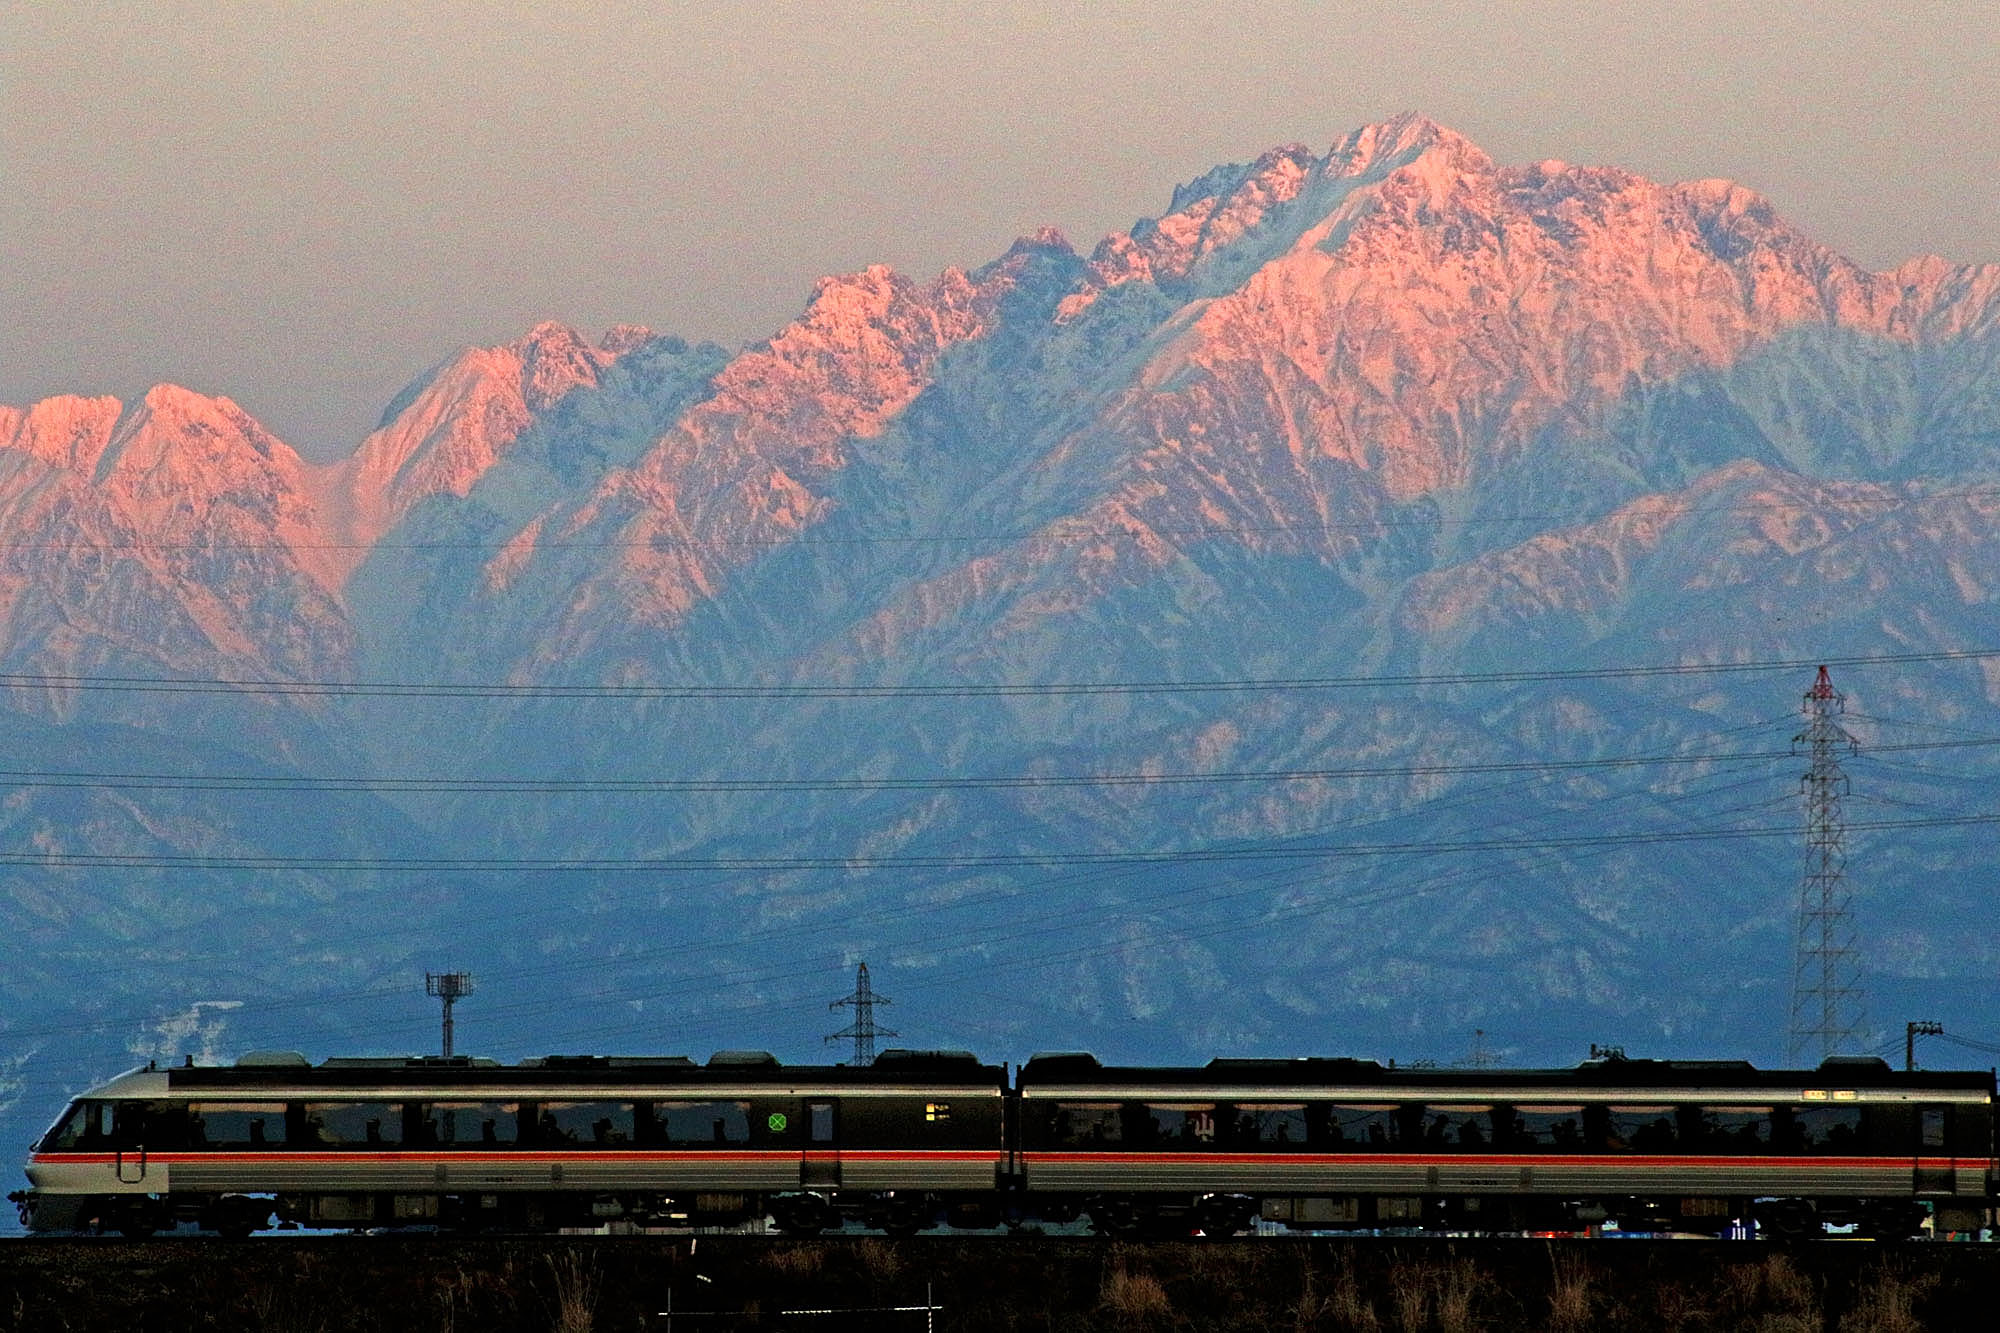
922, 1139
1702, 1146
468, 1144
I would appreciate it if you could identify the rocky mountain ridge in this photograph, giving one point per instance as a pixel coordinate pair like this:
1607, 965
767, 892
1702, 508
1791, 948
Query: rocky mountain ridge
1390, 412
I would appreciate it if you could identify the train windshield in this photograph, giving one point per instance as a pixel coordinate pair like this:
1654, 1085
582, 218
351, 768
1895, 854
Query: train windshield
84, 1125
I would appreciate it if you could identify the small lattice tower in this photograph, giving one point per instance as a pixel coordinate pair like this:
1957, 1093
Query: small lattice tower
1826, 996
862, 1031
450, 987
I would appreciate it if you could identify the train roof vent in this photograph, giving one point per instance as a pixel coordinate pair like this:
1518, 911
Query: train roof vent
743, 1059
365, 1062
1873, 1064
897, 1055
272, 1060
1061, 1062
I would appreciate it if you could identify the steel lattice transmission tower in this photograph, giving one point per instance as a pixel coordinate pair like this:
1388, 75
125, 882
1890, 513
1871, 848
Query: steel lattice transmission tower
450, 987
862, 1031
1826, 995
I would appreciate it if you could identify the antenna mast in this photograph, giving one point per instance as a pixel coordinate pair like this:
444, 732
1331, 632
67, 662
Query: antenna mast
1826, 996
862, 1030
451, 987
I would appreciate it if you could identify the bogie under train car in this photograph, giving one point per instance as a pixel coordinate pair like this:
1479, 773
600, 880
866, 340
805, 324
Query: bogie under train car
921, 1139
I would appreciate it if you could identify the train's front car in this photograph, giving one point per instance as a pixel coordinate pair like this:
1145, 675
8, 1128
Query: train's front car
90, 1171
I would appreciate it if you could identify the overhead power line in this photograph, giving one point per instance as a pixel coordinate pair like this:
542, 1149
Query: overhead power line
63, 778
291, 782
943, 861
957, 690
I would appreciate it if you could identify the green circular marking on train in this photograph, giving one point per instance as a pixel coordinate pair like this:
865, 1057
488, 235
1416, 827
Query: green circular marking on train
777, 1122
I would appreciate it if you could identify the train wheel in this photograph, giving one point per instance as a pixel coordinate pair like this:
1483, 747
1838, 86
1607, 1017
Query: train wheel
1114, 1217
1893, 1220
904, 1215
1225, 1214
235, 1216
136, 1226
135, 1220
1789, 1219
803, 1215
906, 1221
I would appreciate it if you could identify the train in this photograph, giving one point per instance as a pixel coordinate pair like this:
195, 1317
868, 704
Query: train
918, 1140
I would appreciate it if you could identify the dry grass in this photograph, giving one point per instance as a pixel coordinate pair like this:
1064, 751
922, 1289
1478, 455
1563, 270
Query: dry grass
802, 1260
1570, 1294
1786, 1286
881, 1259
452, 1292
1443, 1295
1137, 1299
1348, 1305
576, 1287
1681, 1309
1458, 1297
1769, 1297
1888, 1303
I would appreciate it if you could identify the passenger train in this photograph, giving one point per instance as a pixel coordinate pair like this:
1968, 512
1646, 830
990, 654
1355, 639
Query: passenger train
928, 1139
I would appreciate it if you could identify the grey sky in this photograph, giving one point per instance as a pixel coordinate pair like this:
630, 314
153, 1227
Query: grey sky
302, 206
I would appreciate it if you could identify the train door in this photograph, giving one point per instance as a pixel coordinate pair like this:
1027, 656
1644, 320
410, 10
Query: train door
820, 1166
1934, 1165
128, 1139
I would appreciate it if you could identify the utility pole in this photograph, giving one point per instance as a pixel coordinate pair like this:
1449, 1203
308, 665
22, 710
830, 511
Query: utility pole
1479, 1057
450, 987
1922, 1027
1826, 999
862, 1031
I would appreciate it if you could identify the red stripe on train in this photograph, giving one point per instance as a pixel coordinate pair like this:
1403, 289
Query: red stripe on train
321, 1158
1487, 1163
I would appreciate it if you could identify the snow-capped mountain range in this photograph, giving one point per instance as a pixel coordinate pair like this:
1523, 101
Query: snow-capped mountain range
1387, 422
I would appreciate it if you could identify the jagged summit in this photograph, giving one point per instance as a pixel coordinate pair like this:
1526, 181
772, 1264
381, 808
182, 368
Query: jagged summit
1386, 145
68, 432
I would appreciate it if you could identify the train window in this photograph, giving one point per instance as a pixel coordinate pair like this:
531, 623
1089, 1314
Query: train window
1646, 1129
1933, 1127
467, 1124
97, 1126
1458, 1126
1829, 1130
1544, 1129
1088, 1124
354, 1124
1185, 1126
87, 1126
1365, 1127
235, 1124
694, 1124
586, 1124
1727, 1129
160, 1124
1277, 1126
